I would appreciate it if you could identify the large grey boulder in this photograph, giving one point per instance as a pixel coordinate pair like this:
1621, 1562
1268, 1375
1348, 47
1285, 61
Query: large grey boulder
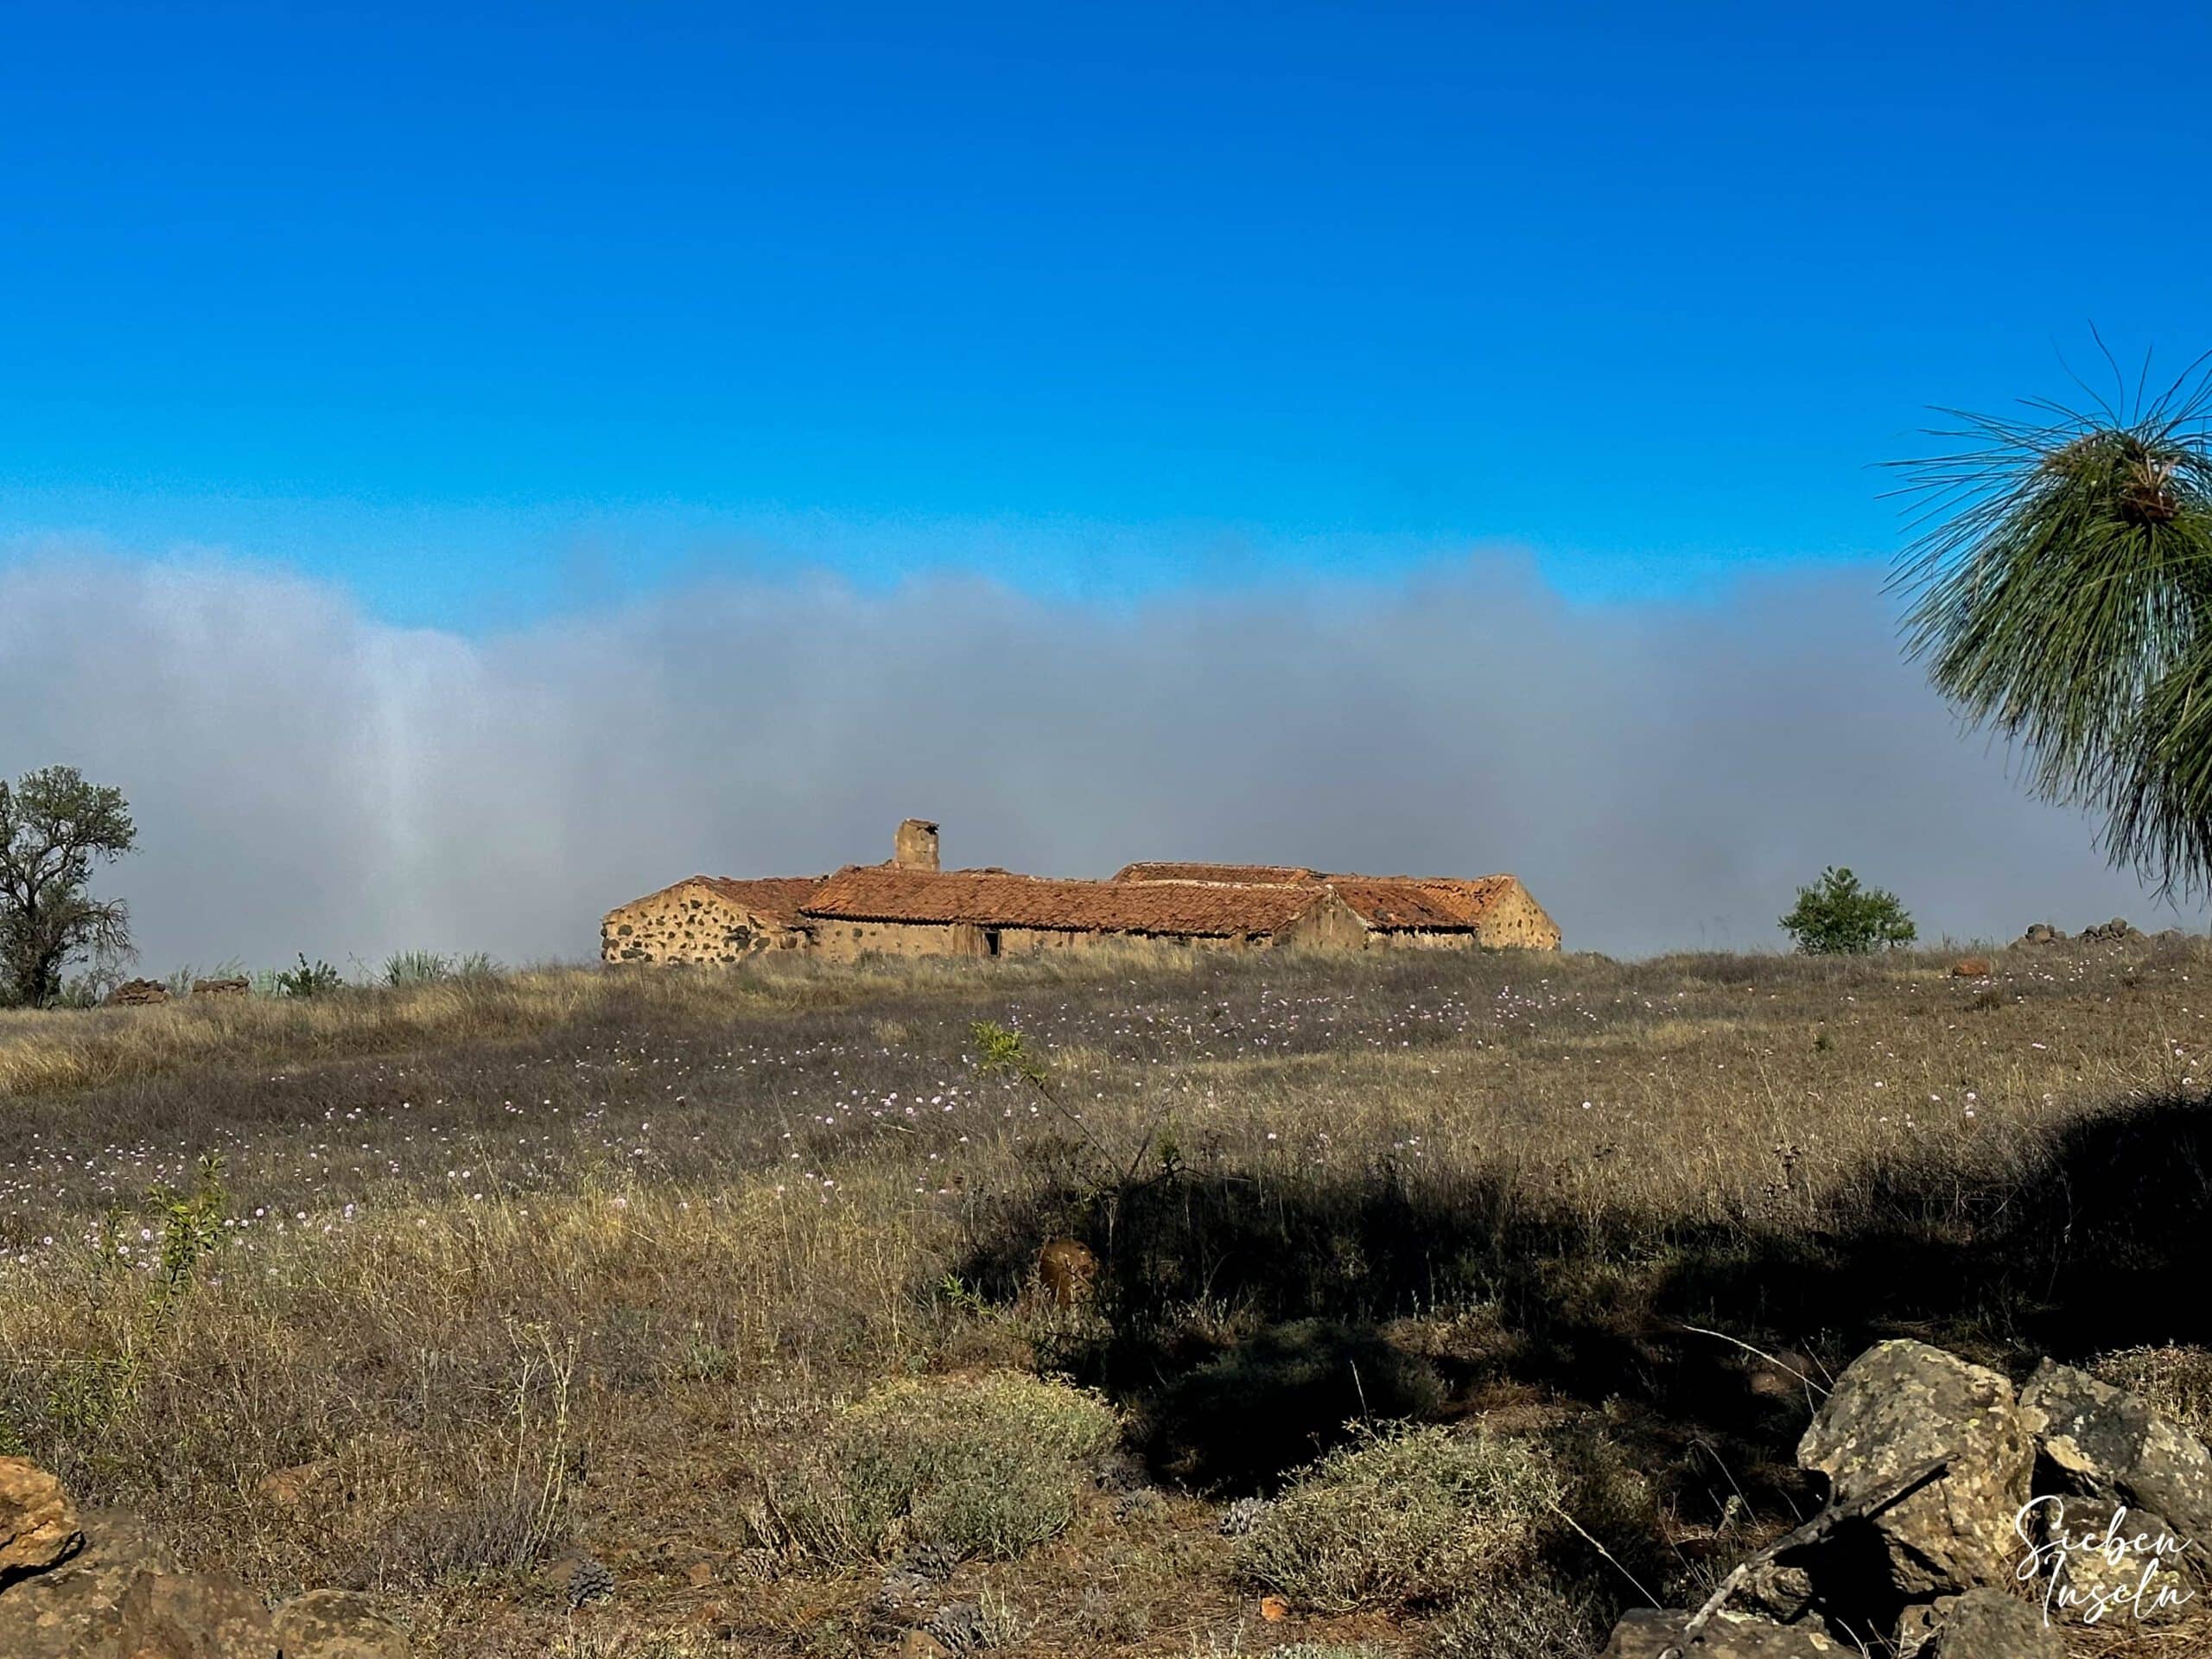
1898, 1407
2103, 1442
1651, 1633
2101, 1562
1980, 1624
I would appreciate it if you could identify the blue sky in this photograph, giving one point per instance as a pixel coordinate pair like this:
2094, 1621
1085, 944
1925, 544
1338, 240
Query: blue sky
489, 312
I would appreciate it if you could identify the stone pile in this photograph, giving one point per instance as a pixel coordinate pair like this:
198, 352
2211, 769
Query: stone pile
1965, 1520
100, 1585
137, 993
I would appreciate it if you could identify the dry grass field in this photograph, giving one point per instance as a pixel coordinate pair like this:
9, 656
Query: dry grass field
723, 1283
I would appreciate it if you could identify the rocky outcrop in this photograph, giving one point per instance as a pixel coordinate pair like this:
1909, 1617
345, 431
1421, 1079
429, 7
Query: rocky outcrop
1652, 1633
1900, 1406
1979, 1625
2042, 933
2118, 931
138, 993
337, 1624
2100, 1442
102, 1587
1965, 1522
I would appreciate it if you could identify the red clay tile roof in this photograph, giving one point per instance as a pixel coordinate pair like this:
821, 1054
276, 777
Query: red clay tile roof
1245, 874
1396, 903
874, 892
777, 898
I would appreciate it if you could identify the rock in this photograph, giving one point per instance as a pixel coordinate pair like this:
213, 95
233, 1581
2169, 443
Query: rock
137, 993
2118, 931
1067, 1272
1776, 1591
1653, 1633
121, 1607
1970, 968
1980, 1624
38, 1523
2103, 1442
2042, 933
337, 1624
103, 1586
288, 1488
1899, 1405
237, 985
2101, 1562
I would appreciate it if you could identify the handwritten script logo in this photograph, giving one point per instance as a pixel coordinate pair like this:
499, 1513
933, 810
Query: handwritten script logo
2088, 1573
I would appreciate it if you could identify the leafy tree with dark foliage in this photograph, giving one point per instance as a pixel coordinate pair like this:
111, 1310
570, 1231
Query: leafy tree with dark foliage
54, 828
1837, 916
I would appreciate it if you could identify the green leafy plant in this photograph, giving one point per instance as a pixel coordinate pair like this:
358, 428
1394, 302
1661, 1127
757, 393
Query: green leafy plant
91, 1391
1836, 916
320, 980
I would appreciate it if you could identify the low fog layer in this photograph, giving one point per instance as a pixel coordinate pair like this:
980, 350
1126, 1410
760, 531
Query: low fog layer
307, 779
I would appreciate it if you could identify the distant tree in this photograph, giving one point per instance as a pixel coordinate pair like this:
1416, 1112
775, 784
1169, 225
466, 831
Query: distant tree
54, 828
2062, 591
1837, 916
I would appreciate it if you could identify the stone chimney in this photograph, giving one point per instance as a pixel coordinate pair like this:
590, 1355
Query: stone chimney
917, 846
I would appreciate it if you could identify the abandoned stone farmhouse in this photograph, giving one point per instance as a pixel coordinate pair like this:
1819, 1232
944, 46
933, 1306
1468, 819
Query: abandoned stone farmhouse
910, 907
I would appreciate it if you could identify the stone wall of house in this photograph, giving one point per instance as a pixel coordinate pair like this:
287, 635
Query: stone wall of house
842, 941
1329, 925
691, 925
1036, 941
1416, 938
1516, 919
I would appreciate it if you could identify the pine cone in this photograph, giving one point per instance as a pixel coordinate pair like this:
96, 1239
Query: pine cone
589, 1580
1243, 1515
960, 1626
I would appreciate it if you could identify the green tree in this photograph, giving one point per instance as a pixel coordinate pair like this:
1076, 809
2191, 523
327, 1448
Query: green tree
2062, 597
1837, 916
54, 828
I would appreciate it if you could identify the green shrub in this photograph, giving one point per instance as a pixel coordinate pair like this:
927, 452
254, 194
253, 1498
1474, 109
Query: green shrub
1838, 916
1402, 1517
320, 980
988, 1465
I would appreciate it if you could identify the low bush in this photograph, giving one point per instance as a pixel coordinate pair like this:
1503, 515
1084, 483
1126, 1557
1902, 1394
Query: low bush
317, 979
988, 1465
406, 968
1404, 1517
1538, 1617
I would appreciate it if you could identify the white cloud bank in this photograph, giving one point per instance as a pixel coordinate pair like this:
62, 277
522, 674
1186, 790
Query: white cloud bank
308, 777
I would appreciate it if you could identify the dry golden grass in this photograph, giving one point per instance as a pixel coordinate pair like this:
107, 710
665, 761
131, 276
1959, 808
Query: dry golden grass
503, 1272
